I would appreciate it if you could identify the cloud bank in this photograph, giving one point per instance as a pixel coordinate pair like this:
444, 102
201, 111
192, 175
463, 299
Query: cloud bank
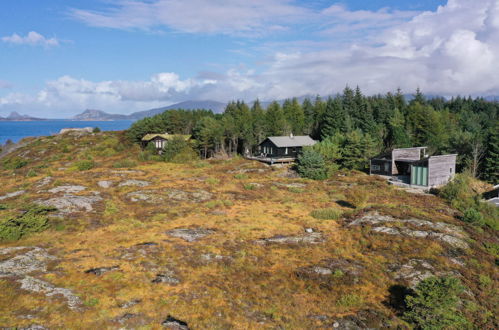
32, 38
453, 50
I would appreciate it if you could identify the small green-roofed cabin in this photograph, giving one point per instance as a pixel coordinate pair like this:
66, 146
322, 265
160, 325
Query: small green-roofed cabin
160, 140
413, 166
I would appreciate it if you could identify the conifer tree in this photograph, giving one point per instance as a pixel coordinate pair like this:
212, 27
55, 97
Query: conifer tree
275, 120
491, 170
258, 122
334, 119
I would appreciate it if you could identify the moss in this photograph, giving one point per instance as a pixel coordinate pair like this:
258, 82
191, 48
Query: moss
84, 165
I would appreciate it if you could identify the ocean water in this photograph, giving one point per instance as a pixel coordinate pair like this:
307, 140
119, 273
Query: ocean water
16, 130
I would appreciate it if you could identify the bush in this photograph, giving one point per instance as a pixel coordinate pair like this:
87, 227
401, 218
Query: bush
178, 150
32, 220
472, 216
14, 163
85, 165
433, 305
311, 165
326, 214
96, 130
358, 198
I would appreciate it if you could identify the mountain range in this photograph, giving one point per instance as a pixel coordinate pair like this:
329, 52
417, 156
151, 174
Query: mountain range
217, 107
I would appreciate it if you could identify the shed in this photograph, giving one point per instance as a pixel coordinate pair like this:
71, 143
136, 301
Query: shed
284, 146
413, 166
160, 140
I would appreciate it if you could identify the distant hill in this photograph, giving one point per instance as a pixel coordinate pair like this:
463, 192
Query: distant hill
91, 114
15, 116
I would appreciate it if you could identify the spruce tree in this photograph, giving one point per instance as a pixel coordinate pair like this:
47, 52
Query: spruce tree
491, 168
258, 122
275, 121
334, 118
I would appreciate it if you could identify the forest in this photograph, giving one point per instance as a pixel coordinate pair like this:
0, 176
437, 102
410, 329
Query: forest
350, 126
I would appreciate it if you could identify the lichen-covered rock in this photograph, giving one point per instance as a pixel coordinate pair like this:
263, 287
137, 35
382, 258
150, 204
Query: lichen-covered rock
105, 184
190, 234
148, 196
71, 203
13, 194
134, 183
446, 233
101, 270
130, 303
34, 260
189, 196
167, 276
344, 270
415, 271
306, 238
67, 189
35, 285
174, 324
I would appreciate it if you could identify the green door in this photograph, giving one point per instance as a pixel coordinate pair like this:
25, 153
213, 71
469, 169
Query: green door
419, 175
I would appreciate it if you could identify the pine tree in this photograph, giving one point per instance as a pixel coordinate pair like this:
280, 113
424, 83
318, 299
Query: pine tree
334, 118
491, 168
309, 113
258, 122
275, 120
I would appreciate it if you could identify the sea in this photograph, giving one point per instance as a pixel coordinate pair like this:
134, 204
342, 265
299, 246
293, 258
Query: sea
16, 130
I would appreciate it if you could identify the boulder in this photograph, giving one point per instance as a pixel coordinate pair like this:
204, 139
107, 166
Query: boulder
130, 303
414, 271
167, 276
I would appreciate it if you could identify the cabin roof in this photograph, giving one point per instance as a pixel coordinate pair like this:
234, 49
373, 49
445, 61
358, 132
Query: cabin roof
292, 141
149, 137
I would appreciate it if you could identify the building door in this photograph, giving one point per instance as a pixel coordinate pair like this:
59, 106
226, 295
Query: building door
419, 175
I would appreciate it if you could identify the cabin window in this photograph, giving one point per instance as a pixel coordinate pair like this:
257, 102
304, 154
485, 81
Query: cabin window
286, 151
451, 170
375, 167
387, 167
159, 144
270, 150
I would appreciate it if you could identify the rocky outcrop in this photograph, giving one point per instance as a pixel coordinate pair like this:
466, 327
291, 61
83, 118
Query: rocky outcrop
415, 270
105, 184
174, 324
13, 194
71, 203
345, 270
306, 238
167, 276
190, 234
443, 232
189, 196
148, 196
134, 183
101, 270
24, 266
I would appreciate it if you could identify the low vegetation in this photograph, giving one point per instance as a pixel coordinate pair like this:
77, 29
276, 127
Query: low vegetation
231, 243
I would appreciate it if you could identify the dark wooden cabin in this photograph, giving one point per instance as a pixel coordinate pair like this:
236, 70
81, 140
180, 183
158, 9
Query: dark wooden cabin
413, 166
160, 140
283, 147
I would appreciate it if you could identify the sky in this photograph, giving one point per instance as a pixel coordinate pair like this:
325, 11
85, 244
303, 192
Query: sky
60, 57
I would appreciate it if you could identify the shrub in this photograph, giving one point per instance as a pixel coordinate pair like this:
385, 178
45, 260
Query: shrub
350, 300
96, 130
85, 165
249, 186
358, 198
311, 165
433, 305
240, 176
124, 163
326, 214
178, 150
472, 216
14, 163
31, 173
33, 220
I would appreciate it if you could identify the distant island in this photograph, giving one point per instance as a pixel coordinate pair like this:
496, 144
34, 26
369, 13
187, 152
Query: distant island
14, 116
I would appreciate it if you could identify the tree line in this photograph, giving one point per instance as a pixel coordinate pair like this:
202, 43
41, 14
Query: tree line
351, 127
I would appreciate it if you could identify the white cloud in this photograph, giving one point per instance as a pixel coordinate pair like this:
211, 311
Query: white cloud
32, 38
197, 16
453, 50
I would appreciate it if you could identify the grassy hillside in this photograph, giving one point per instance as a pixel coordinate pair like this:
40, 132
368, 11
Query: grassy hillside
109, 241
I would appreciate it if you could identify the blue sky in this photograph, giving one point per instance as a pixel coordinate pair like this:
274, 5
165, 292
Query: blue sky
59, 57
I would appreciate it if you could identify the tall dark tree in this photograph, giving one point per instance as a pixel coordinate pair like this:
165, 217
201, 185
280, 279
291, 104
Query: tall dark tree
275, 121
491, 169
334, 118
